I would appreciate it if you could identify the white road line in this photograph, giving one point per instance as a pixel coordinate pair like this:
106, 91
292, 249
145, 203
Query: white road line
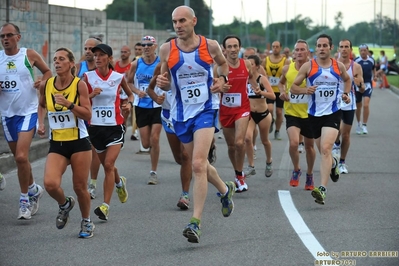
300, 227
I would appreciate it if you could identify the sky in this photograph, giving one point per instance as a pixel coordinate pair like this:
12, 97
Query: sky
353, 11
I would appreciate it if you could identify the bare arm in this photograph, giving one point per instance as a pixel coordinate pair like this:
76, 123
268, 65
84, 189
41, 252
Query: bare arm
358, 76
127, 106
282, 86
83, 111
302, 74
151, 87
36, 60
163, 79
130, 80
345, 77
269, 93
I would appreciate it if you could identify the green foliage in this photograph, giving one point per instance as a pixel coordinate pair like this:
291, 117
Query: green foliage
157, 15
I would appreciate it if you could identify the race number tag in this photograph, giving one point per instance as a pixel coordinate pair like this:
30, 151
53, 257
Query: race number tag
9, 86
231, 99
194, 93
325, 94
298, 98
103, 115
144, 87
61, 120
274, 81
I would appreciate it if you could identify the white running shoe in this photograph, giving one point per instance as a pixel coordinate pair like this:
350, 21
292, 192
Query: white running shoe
342, 168
364, 129
336, 150
92, 191
250, 171
2, 182
301, 148
24, 210
34, 200
241, 186
359, 130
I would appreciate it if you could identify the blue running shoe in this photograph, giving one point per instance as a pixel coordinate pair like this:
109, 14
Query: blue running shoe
192, 232
226, 200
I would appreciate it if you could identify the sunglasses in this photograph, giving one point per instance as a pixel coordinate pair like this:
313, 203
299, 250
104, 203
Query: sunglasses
8, 35
147, 44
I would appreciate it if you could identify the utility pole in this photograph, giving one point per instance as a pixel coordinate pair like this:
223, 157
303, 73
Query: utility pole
381, 23
286, 22
210, 21
135, 10
187, 2
7, 11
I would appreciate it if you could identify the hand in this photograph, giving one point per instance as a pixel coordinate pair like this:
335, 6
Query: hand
60, 99
283, 96
346, 98
41, 131
219, 86
310, 90
38, 84
96, 91
160, 99
126, 106
163, 80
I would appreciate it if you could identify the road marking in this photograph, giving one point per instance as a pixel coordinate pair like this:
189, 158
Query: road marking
300, 227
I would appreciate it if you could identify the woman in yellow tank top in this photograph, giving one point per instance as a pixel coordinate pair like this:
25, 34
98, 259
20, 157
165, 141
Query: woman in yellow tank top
66, 100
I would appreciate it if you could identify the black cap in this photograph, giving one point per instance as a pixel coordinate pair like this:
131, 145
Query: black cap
104, 48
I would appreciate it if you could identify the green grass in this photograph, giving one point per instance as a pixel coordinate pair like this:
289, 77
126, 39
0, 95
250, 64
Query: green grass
393, 80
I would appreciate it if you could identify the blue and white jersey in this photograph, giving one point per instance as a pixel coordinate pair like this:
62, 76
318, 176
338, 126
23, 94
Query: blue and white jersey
192, 77
352, 105
368, 66
82, 69
17, 94
327, 97
142, 78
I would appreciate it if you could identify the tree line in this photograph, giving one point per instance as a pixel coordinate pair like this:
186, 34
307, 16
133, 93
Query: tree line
157, 15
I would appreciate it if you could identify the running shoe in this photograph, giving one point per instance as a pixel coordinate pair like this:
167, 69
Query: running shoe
63, 214
102, 212
250, 171
309, 182
364, 130
241, 186
227, 200
342, 168
336, 150
277, 135
319, 195
335, 170
34, 200
212, 155
92, 191
271, 126
87, 229
184, 202
153, 180
192, 232
269, 170
294, 182
301, 148
24, 210
122, 191
359, 129
2, 182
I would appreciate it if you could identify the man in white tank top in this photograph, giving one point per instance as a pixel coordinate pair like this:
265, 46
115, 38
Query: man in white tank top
19, 110
324, 76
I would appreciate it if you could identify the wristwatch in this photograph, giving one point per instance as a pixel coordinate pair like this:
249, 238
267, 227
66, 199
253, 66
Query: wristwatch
71, 106
226, 79
131, 103
346, 93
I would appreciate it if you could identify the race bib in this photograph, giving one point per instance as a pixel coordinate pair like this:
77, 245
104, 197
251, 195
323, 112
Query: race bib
144, 87
61, 120
194, 93
325, 94
10, 86
103, 115
298, 98
231, 99
274, 81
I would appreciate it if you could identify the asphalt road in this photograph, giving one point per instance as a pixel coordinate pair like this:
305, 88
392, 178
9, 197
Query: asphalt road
361, 212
